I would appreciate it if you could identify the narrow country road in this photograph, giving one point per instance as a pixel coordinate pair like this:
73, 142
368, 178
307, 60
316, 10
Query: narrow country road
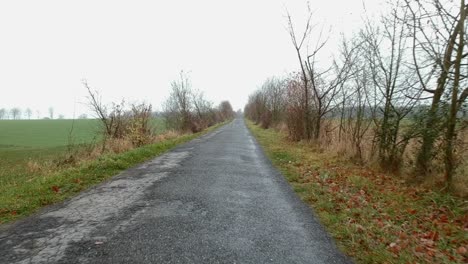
216, 199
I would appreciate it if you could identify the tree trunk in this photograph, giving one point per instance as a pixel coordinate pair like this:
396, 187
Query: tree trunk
450, 137
430, 133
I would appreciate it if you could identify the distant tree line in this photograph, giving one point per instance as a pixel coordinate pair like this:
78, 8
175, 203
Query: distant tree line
17, 113
398, 83
14, 113
187, 109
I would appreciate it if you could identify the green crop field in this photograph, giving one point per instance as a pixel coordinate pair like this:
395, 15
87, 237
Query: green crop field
39, 140
45, 133
52, 133
42, 140
30, 148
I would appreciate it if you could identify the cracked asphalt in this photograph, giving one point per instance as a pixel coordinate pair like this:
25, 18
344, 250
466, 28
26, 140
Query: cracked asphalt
216, 199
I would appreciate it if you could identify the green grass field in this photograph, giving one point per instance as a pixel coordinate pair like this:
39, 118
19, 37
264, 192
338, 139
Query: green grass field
38, 140
52, 133
45, 133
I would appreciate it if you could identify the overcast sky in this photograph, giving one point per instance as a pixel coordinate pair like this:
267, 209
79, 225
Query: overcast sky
133, 49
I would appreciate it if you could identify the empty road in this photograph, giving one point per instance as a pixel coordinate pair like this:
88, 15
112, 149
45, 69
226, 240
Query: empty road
216, 199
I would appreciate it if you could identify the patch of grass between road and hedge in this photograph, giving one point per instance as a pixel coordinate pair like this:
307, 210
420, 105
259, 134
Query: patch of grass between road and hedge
374, 218
27, 196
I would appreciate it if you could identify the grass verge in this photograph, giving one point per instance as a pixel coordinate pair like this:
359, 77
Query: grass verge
26, 196
373, 217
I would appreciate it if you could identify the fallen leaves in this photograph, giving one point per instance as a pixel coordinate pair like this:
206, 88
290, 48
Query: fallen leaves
461, 250
389, 210
77, 181
55, 189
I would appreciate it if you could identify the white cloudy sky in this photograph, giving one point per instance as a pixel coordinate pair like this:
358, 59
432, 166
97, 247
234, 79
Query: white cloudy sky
133, 49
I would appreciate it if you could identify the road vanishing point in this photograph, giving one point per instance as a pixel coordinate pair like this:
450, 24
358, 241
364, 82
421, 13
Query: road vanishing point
215, 199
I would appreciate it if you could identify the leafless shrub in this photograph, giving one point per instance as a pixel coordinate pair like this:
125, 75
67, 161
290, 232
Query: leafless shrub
33, 166
295, 110
179, 105
226, 110
140, 130
187, 110
120, 124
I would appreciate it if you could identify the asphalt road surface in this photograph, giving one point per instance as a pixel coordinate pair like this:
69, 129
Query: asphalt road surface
216, 199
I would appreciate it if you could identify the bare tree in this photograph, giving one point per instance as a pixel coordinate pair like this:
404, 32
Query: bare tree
274, 90
320, 86
439, 38
178, 106
15, 113
298, 43
51, 112
99, 109
393, 91
327, 84
226, 110
203, 109
355, 120
3, 113
114, 118
121, 123
187, 109
28, 113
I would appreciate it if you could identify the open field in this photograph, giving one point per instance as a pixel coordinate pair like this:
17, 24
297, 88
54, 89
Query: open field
53, 133
43, 140
22, 141
45, 133
374, 217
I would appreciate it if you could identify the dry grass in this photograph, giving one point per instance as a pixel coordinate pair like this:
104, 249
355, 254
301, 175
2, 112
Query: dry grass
33, 166
343, 147
460, 178
118, 145
83, 154
170, 134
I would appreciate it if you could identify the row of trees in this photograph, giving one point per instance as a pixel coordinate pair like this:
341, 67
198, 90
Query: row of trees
399, 82
187, 109
16, 113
